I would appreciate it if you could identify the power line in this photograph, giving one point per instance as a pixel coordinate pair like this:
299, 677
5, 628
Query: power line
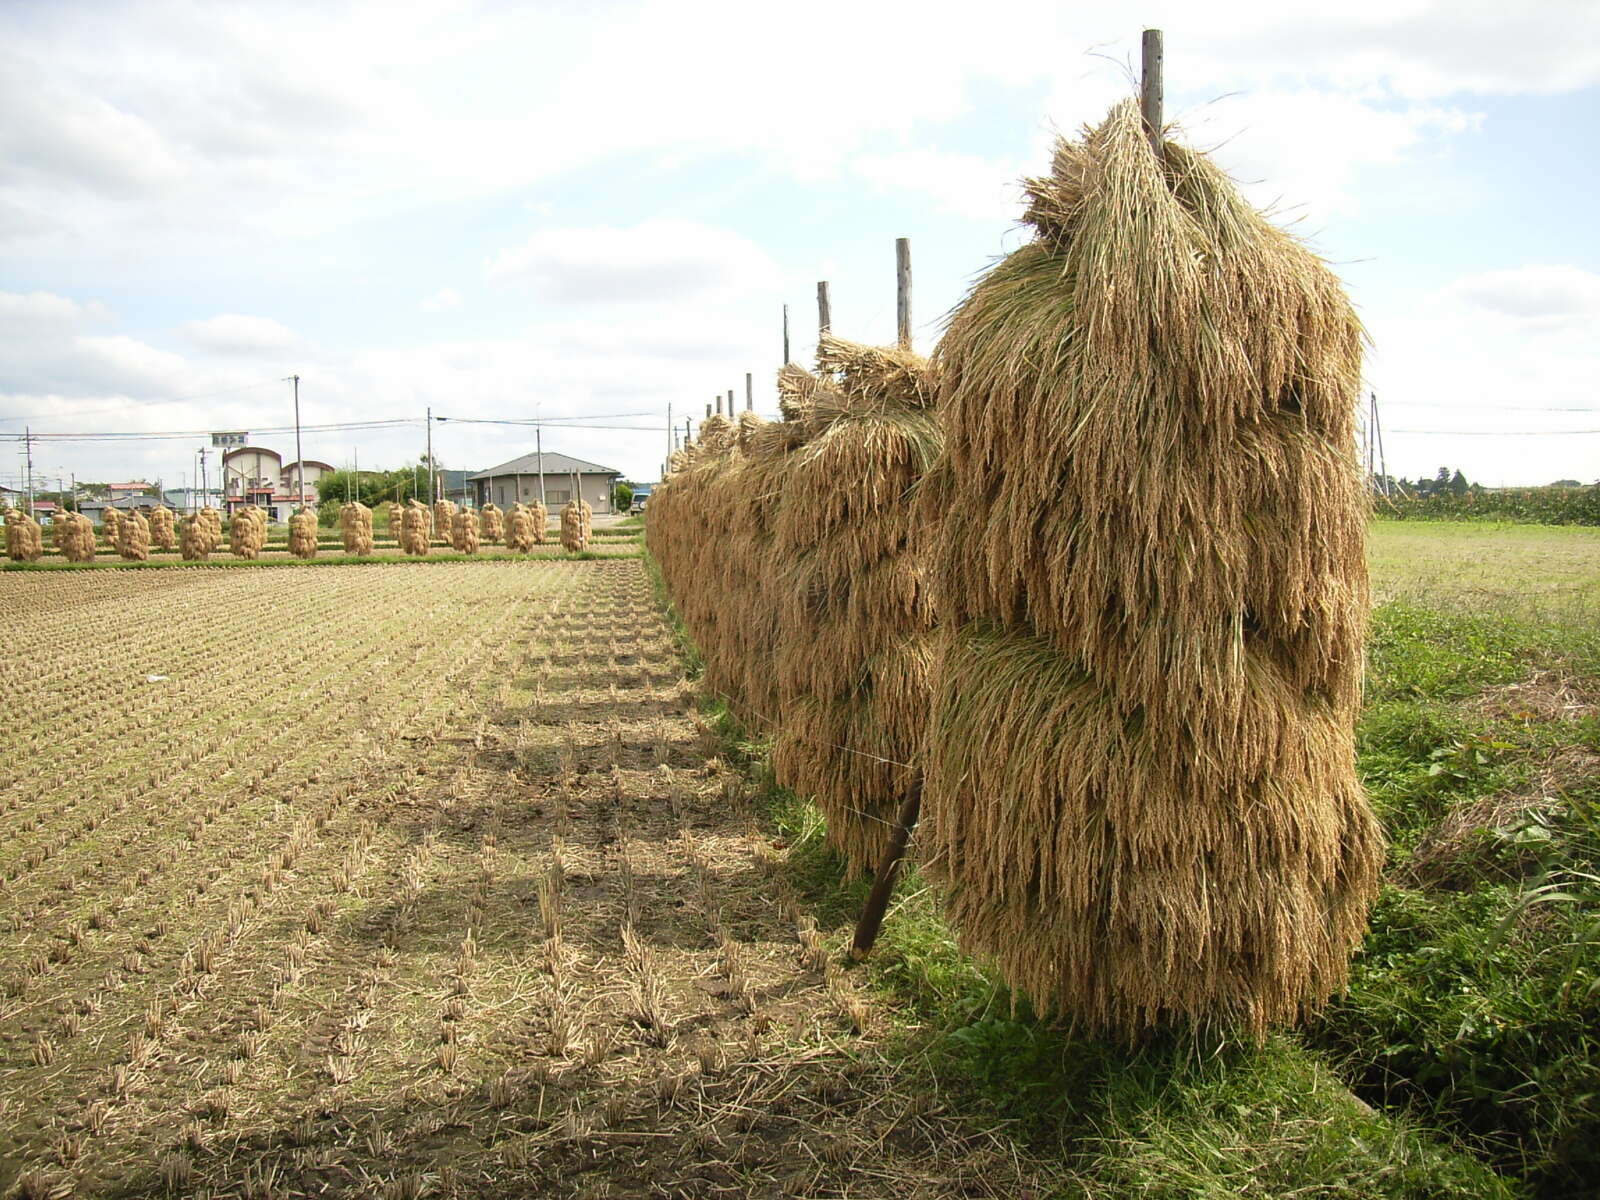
1486, 432
167, 435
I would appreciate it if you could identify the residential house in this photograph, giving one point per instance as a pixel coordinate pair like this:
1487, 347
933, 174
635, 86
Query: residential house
522, 479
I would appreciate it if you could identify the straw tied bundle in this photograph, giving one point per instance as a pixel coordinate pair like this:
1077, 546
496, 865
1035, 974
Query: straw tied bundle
1140, 785
854, 647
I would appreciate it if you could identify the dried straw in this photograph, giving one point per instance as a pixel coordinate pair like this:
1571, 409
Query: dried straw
464, 531
519, 529
444, 513
355, 524
24, 538
1140, 790
303, 533
163, 534
133, 537
194, 538
110, 524
247, 532
574, 536
414, 529
492, 525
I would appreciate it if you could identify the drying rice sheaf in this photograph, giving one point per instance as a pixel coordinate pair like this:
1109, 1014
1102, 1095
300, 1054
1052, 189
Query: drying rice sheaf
464, 531
519, 529
162, 531
76, 539
787, 550
492, 525
391, 518
194, 538
355, 525
24, 538
211, 522
110, 522
247, 532
573, 535
1140, 792
303, 533
539, 516
133, 537
444, 513
414, 529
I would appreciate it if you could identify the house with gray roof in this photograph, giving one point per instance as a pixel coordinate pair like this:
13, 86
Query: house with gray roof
550, 477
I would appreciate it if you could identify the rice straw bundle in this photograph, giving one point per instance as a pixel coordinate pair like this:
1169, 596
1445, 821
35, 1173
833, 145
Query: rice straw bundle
163, 533
303, 533
355, 524
133, 537
854, 647
247, 532
493, 525
391, 518
1140, 788
211, 522
110, 524
572, 533
194, 538
464, 531
74, 536
414, 532
24, 538
539, 516
444, 514
519, 529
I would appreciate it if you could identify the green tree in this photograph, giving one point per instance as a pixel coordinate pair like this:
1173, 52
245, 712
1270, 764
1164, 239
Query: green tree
1458, 483
622, 495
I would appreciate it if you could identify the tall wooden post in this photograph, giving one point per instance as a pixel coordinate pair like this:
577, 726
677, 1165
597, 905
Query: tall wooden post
902, 277
749, 392
824, 308
1151, 87
786, 359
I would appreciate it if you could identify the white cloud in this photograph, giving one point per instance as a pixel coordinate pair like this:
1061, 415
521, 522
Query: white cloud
235, 333
1538, 295
441, 301
19, 309
657, 260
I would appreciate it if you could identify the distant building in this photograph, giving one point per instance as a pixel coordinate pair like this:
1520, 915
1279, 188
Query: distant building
519, 480
453, 486
122, 491
256, 475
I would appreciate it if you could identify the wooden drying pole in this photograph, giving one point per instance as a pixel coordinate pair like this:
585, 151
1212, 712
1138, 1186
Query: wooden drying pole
749, 392
786, 335
902, 308
824, 308
911, 807
1151, 88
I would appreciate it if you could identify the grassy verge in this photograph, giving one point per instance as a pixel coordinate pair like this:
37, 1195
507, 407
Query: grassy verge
1171, 1117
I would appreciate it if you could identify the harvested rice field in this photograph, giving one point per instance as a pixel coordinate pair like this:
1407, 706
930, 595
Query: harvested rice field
414, 880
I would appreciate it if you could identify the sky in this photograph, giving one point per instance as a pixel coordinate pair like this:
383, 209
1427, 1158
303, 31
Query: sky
583, 213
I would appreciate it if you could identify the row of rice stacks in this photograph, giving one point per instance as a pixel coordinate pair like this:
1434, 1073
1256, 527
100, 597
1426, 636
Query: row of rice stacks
1144, 532
303, 533
1141, 791
24, 538
792, 564
355, 527
464, 531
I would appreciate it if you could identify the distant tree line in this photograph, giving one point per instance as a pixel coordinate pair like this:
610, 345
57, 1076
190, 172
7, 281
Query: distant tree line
1449, 496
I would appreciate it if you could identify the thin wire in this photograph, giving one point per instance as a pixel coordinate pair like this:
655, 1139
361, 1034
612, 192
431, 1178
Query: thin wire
1497, 432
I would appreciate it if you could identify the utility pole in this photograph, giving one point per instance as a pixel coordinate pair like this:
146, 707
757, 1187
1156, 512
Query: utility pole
27, 441
205, 485
538, 445
786, 335
299, 458
669, 432
824, 308
730, 404
749, 392
430, 455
